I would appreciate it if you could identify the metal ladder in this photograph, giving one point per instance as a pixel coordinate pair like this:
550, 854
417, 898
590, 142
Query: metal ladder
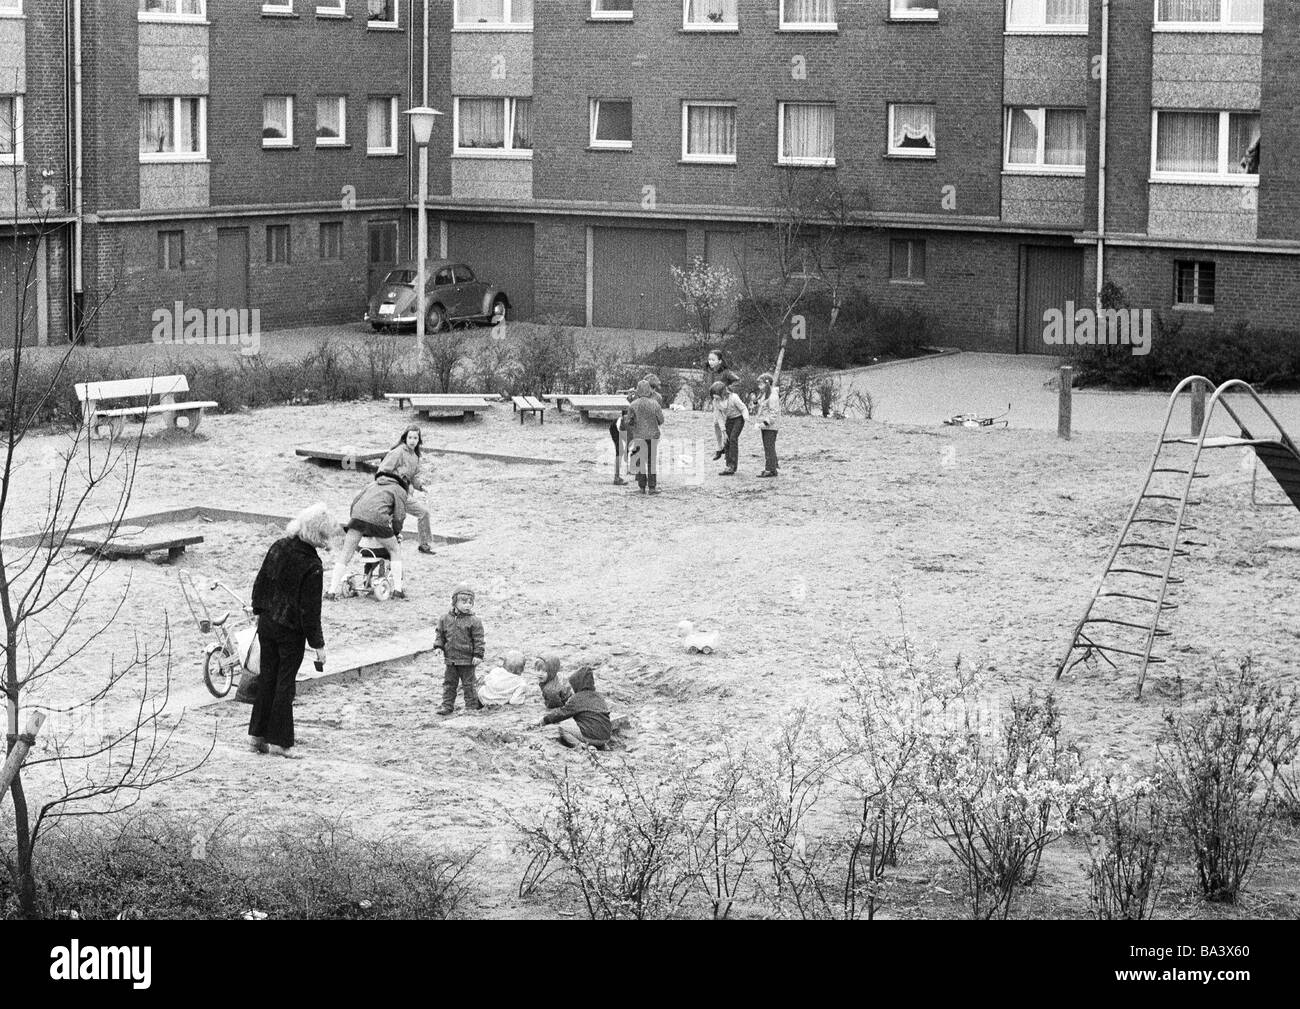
1130, 597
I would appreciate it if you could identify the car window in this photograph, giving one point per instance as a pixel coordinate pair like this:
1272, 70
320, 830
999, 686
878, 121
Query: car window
442, 277
464, 274
400, 277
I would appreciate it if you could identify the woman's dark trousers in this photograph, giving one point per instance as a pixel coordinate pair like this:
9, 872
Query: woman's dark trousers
282, 652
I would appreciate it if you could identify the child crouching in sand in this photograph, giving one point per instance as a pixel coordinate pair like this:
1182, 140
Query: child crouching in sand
555, 692
504, 683
583, 720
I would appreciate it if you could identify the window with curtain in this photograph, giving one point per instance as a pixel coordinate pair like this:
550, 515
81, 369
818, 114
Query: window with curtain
911, 130
381, 126
11, 129
1210, 12
612, 9
381, 11
494, 124
277, 121
173, 8
1207, 143
709, 14
331, 240
709, 132
1046, 138
277, 243
479, 13
611, 123
803, 13
1047, 14
330, 120
171, 250
914, 8
171, 128
807, 134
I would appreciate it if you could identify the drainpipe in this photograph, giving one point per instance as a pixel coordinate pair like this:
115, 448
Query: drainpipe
1101, 150
425, 56
78, 202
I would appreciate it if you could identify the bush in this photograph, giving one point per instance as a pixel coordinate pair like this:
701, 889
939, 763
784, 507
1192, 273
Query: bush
1219, 761
1128, 847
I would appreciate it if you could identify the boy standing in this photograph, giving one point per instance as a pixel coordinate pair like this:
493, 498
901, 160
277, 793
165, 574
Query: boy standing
460, 639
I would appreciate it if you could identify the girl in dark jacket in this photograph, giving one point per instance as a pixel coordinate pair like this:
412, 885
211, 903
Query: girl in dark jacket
378, 512
286, 599
717, 371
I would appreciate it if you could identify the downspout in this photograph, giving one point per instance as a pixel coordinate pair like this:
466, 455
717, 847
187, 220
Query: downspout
425, 56
1101, 151
78, 206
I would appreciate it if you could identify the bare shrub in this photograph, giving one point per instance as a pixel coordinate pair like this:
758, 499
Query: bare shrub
1127, 836
379, 360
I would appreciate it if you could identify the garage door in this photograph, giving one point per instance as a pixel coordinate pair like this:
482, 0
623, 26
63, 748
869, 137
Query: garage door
632, 286
19, 270
502, 254
1053, 276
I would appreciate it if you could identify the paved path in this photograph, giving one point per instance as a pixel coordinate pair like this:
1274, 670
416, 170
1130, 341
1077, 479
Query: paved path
926, 391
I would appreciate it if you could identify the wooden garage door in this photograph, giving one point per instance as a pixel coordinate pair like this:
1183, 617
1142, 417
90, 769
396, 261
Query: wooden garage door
632, 286
501, 254
18, 269
1053, 275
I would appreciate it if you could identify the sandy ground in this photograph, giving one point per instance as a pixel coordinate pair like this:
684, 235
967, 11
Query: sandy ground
987, 540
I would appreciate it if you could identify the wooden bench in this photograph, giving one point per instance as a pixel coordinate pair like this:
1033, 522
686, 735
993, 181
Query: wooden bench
587, 405
430, 406
125, 545
366, 460
525, 405
402, 399
93, 396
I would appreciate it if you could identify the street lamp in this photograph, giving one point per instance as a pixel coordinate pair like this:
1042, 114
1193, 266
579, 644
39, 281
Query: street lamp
422, 118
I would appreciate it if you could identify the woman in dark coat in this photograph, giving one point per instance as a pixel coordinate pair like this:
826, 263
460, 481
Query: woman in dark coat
287, 601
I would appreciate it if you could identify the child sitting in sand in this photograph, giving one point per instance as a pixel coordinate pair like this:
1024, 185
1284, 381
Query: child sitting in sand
555, 692
583, 720
504, 683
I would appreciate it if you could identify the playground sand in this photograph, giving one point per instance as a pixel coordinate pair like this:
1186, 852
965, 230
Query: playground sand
983, 543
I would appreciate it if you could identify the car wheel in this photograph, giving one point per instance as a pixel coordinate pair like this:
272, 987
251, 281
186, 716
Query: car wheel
436, 321
498, 312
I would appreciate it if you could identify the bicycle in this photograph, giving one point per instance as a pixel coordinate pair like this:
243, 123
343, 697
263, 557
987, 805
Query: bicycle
234, 651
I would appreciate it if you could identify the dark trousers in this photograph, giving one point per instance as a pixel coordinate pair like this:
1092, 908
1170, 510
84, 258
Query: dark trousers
462, 676
734, 426
769, 448
282, 652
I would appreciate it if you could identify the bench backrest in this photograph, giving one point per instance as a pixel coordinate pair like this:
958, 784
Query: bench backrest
160, 385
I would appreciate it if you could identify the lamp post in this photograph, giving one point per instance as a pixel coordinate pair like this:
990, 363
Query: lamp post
421, 118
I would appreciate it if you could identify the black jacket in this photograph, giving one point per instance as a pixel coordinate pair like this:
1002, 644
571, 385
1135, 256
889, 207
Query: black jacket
288, 588
586, 707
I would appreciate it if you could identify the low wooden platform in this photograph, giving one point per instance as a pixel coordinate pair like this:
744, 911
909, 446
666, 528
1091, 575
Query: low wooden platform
367, 460
120, 546
430, 407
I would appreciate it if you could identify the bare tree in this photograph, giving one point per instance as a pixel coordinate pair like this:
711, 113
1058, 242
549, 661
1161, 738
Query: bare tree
45, 585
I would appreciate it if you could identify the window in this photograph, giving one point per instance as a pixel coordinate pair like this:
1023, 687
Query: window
911, 131
1194, 283
611, 10
381, 13
1047, 139
331, 240
1210, 15
709, 15
808, 15
277, 121
190, 10
331, 7
11, 129
806, 134
331, 121
171, 250
914, 9
277, 243
1206, 146
443, 277
709, 132
494, 126
462, 274
494, 14
278, 8
907, 261
173, 129
8, 7
381, 126
1047, 15
611, 123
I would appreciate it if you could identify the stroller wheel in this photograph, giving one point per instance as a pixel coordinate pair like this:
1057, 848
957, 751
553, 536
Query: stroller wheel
383, 589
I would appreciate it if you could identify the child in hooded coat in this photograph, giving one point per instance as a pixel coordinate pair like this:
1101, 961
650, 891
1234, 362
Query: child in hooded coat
555, 691
583, 720
644, 418
460, 639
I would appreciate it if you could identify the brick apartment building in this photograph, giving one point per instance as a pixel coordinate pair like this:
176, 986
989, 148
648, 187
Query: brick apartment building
250, 154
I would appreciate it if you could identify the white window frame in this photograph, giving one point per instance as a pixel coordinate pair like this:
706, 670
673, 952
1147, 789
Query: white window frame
928, 14
18, 157
341, 101
288, 139
808, 26
503, 26
1222, 25
606, 145
324, 9
781, 158
11, 8
911, 152
198, 18
392, 125
1040, 25
1040, 165
394, 23
1195, 306
158, 157
707, 159
278, 8
1220, 178
489, 152
721, 26
599, 15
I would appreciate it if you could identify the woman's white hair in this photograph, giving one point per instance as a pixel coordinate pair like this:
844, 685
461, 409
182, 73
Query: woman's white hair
314, 525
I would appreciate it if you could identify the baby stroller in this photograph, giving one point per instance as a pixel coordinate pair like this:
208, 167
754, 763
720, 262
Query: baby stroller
376, 578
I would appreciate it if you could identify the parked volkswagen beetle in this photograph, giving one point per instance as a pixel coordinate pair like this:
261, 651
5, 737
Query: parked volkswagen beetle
454, 294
